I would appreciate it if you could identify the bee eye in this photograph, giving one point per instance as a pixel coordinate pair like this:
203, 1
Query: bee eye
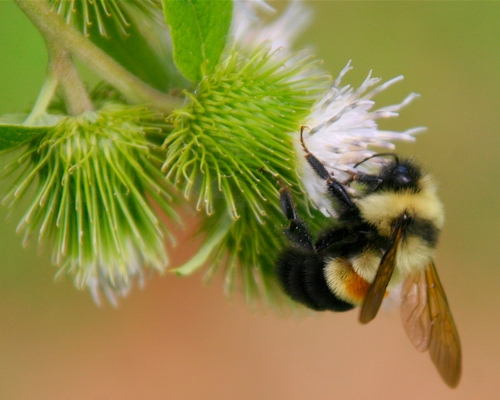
402, 175
401, 170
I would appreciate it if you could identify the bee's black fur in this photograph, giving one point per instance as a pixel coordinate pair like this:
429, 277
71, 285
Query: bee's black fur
300, 268
396, 176
301, 274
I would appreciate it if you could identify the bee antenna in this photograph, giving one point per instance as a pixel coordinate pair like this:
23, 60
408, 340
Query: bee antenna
378, 155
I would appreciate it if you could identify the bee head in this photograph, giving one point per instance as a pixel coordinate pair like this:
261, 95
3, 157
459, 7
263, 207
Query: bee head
399, 175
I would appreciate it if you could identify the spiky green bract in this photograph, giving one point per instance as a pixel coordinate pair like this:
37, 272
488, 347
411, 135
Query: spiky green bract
89, 180
236, 133
83, 14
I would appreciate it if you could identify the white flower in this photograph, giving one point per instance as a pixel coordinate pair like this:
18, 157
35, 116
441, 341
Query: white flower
341, 130
250, 26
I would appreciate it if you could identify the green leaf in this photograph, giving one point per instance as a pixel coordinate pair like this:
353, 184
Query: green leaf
13, 134
199, 29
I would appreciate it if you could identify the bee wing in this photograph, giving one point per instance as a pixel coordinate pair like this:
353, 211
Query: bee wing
415, 311
376, 293
429, 324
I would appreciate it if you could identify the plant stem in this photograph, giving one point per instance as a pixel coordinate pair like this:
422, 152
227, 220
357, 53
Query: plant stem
57, 33
75, 94
44, 97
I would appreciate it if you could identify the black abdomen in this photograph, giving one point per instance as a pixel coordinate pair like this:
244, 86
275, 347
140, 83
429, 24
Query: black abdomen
301, 275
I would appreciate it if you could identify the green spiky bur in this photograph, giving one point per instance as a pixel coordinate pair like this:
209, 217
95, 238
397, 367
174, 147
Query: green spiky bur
92, 176
243, 119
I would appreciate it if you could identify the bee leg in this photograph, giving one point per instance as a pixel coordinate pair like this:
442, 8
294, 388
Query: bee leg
297, 232
335, 188
334, 236
295, 262
371, 182
299, 268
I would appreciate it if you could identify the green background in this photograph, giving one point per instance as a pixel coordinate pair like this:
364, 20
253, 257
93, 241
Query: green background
179, 339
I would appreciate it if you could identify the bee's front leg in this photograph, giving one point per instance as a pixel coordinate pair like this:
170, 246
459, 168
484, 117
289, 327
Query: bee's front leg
297, 232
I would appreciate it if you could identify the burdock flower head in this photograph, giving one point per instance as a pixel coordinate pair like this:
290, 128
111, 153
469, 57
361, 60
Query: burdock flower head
255, 22
92, 178
342, 130
228, 142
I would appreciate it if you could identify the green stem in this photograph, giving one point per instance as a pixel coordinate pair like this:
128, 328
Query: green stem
44, 97
75, 94
56, 32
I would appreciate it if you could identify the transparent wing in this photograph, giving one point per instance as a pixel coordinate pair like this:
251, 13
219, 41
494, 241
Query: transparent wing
429, 324
376, 293
415, 311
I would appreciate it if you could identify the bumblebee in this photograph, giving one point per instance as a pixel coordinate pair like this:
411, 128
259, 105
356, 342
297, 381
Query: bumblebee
382, 238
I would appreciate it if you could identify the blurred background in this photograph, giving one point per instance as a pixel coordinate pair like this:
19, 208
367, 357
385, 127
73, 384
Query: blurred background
181, 339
